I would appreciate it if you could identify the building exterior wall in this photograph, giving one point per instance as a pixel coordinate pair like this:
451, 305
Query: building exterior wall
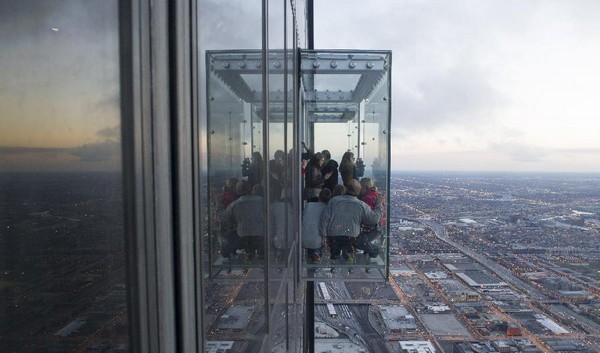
109, 100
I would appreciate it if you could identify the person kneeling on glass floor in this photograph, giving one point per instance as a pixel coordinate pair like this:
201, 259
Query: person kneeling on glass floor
342, 219
370, 234
246, 215
312, 233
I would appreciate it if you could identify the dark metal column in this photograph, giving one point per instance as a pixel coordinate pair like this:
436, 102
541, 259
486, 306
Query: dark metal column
309, 329
310, 24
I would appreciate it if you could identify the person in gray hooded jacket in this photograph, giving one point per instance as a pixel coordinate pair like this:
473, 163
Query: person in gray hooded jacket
343, 216
312, 233
246, 215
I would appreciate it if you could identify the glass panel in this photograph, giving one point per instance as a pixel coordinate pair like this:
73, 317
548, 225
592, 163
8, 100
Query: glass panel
281, 234
235, 145
233, 252
237, 127
350, 119
62, 270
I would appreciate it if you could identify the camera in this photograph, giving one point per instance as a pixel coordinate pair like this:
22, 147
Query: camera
245, 165
360, 167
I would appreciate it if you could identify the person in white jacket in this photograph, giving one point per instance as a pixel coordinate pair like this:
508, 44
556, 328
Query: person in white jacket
312, 232
246, 215
282, 225
342, 218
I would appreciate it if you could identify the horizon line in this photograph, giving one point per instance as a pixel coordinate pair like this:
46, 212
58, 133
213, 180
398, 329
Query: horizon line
416, 171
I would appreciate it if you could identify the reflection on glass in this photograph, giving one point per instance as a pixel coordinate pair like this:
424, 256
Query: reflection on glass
233, 257
251, 231
236, 150
62, 270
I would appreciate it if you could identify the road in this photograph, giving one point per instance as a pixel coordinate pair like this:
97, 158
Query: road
503, 273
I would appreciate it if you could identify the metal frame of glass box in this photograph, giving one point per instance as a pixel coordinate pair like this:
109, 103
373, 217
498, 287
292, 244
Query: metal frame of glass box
344, 105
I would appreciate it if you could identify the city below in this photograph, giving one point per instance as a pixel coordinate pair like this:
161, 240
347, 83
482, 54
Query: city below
477, 263
485, 263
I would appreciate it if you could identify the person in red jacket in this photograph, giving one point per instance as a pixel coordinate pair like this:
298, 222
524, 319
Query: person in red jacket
369, 234
368, 192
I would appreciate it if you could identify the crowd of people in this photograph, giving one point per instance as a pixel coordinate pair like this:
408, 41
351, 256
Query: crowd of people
343, 211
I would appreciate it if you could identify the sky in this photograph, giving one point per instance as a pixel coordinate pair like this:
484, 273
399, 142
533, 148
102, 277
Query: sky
494, 85
59, 86
482, 85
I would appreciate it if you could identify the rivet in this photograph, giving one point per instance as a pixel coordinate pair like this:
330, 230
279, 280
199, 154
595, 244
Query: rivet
242, 65
225, 65
333, 64
258, 64
370, 65
277, 64
352, 64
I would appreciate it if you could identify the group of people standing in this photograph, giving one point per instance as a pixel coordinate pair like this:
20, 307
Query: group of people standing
341, 214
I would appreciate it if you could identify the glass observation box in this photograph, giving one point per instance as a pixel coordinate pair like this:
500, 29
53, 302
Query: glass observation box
267, 129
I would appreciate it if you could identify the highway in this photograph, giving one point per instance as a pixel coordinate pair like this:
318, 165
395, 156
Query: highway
507, 276
503, 273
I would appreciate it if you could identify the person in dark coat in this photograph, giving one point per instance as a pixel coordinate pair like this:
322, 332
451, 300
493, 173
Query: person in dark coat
329, 166
314, 179
348, 168
254, 169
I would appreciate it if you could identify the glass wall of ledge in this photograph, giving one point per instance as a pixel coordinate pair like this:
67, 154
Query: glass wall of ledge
251, 300
347, 112
249, 157
252, 235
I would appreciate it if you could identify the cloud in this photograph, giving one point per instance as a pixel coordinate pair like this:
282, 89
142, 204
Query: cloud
458, 95
240, 24
595, 151
110, 102
18, 151
522, 152
439, 77
98, 156
112, 133
525, 152
97, 152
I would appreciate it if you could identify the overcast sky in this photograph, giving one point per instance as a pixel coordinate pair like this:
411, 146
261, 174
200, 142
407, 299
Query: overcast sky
59, 85
482, 85
477, 85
